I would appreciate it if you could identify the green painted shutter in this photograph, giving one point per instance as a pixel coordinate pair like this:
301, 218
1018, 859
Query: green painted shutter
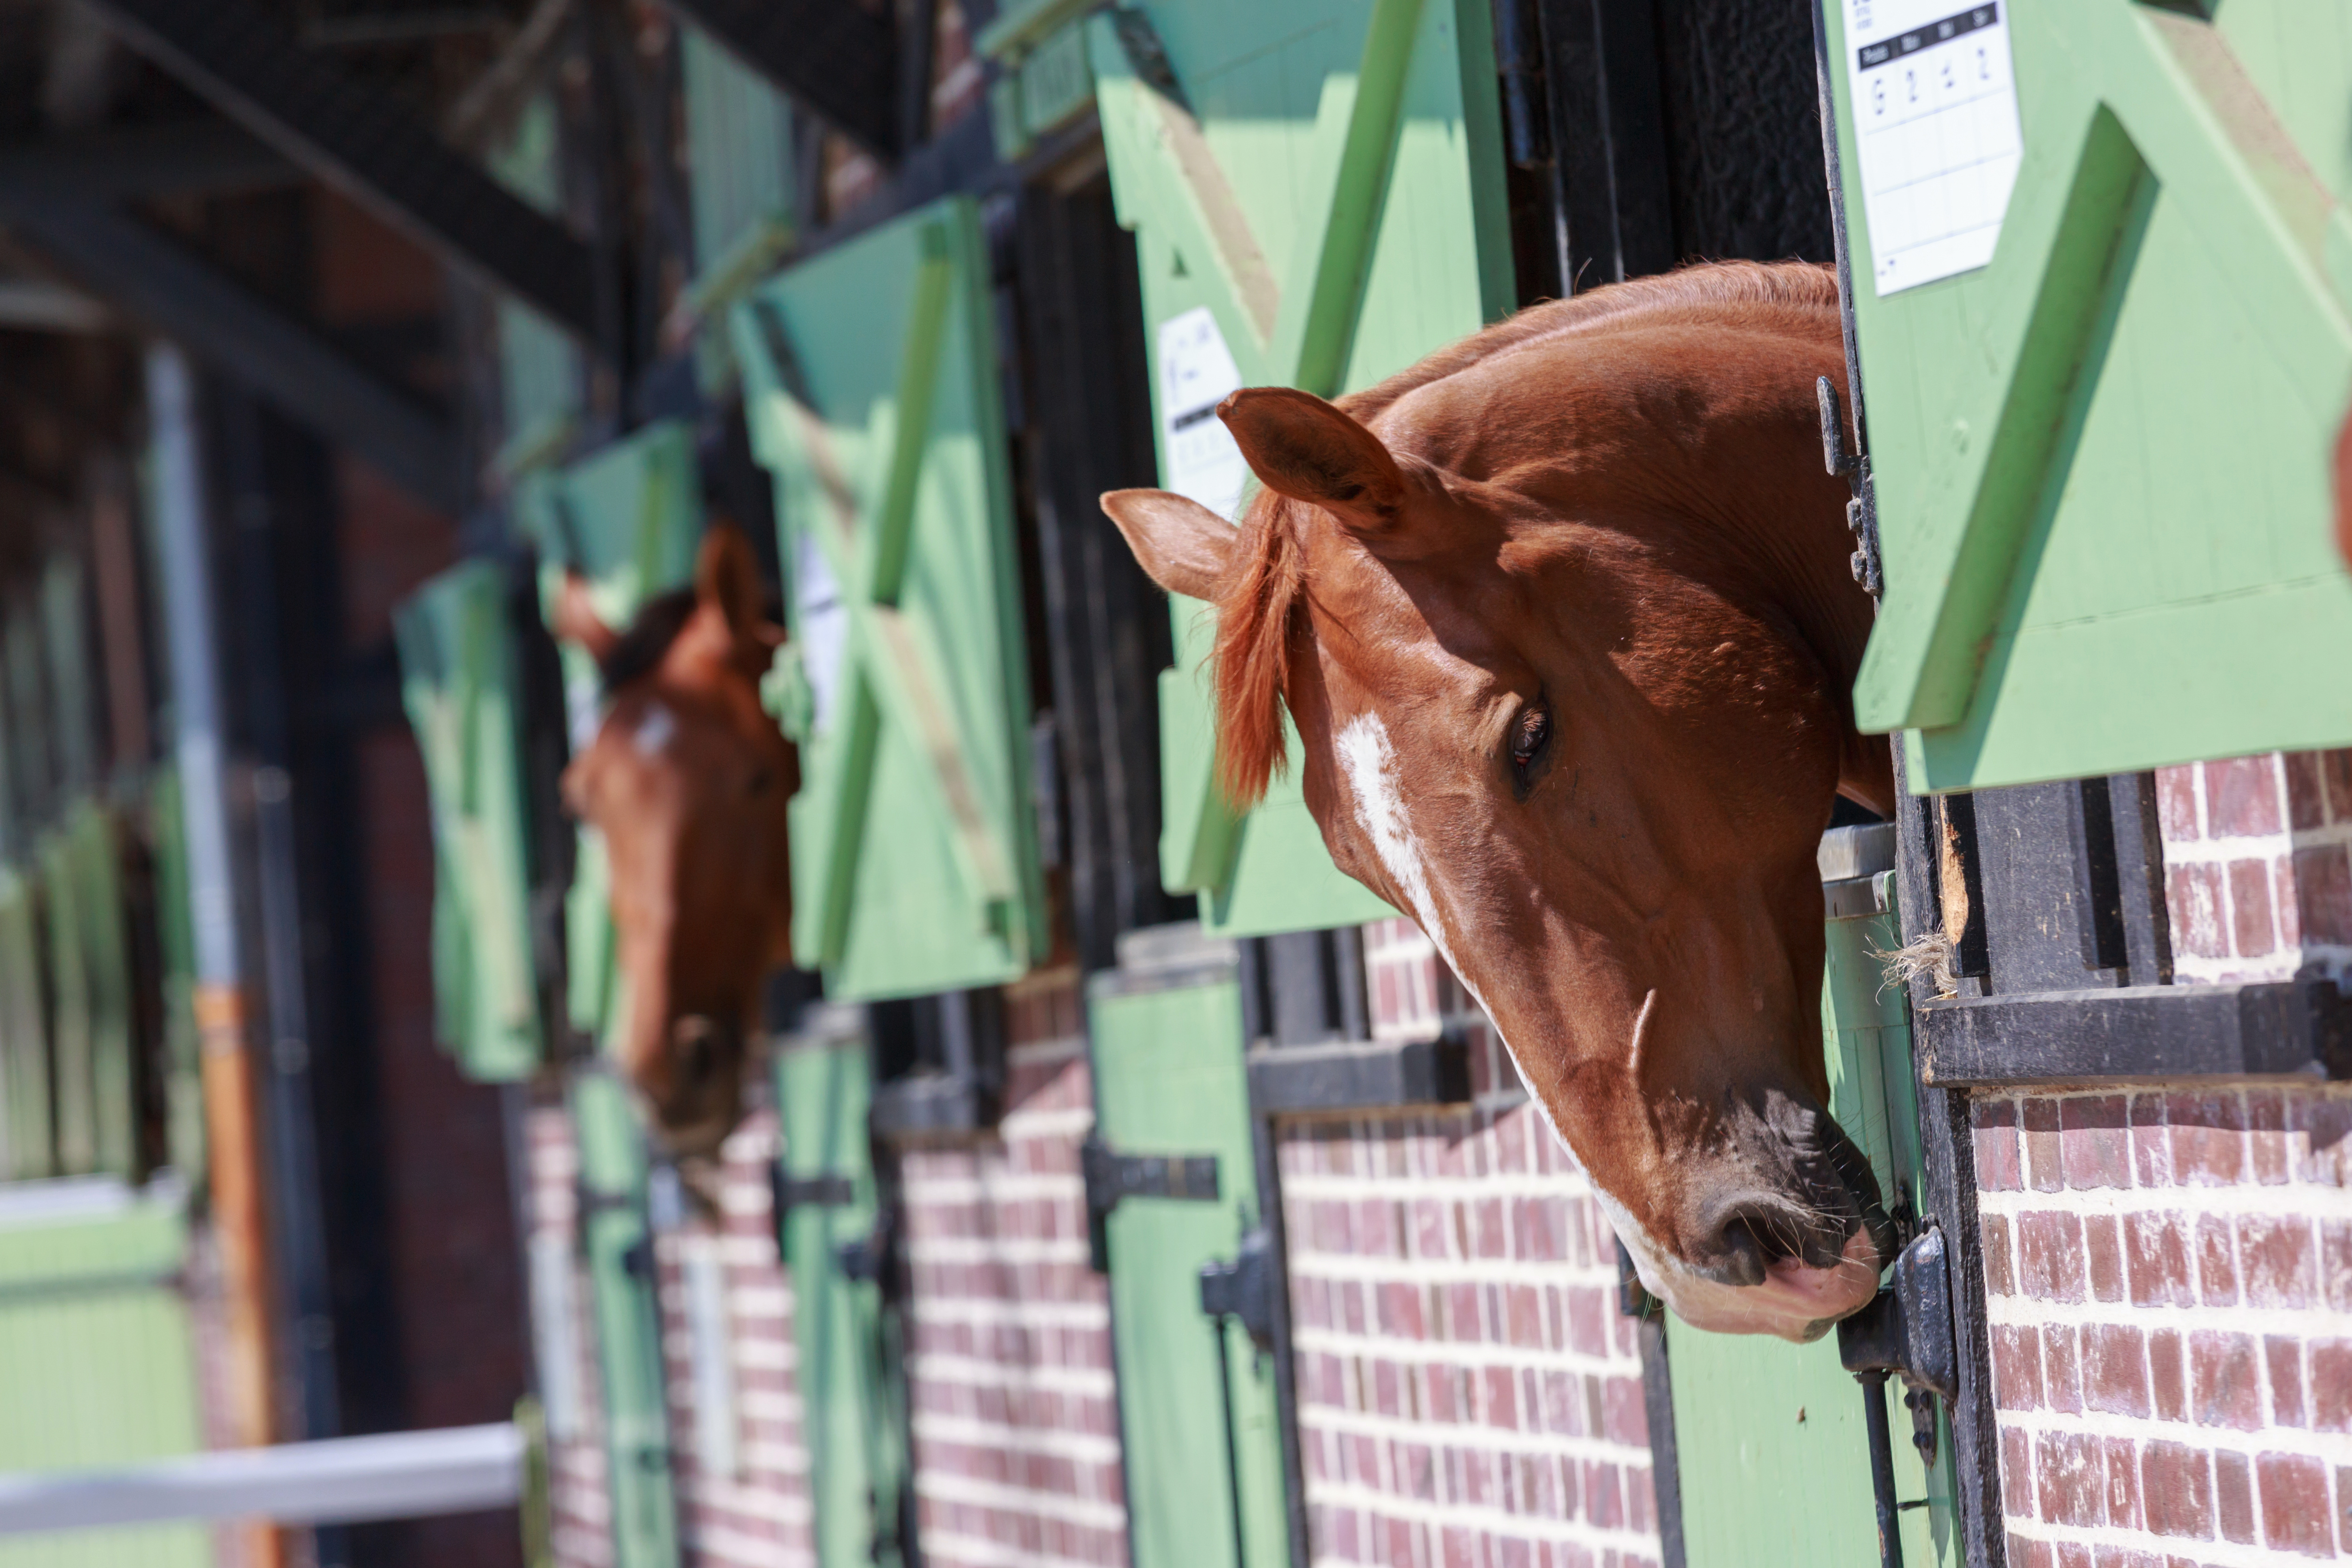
2101, 458
73, 1082
97, 1362
31, 1148
851, 1377
619, 1244
458, 684
183, 1095
1769, 1437
540, 369
1169, 1080
628, 520
739, 140
871, 389
1325, 180
95, 851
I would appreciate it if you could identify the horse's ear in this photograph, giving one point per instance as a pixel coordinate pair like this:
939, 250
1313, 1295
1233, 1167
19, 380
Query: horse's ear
1307, 449
726, 576
576, 619
1181, 545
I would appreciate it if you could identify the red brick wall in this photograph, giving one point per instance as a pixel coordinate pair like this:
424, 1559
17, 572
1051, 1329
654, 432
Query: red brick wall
2168, 1273
1467, 1391
583, 1515
756, 1515
1015, 1417
2169, 1282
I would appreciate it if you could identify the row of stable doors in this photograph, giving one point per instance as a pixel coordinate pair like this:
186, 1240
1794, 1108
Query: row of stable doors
1769, 1450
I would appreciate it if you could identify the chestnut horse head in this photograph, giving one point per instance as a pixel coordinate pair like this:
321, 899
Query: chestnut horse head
687, 780
1564, 618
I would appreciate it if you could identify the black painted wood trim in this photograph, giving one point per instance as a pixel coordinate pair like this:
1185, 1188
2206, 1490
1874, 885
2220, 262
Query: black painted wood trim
2296, 1027
1358, 1075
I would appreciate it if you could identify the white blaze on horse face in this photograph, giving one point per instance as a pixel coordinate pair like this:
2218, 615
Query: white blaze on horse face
654, 731
1794, 1303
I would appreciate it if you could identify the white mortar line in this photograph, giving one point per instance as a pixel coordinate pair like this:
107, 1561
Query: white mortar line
2336, 1448
2293, 1200
1068, 1123
944, 1546
717, 1542
1015, 1249
1496, 1521
2214, 1553
1466, 1435
2294, 1322
977, 1493
1005, 1186
1387, 1268
1079, 1382
971, 1432
1476, 1355
1083, 1315
1561, 1187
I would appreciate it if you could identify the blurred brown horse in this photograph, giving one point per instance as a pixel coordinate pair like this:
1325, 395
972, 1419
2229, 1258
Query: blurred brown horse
1563, 617
688, 780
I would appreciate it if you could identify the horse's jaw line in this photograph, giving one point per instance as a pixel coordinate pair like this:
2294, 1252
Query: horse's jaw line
1791, 1304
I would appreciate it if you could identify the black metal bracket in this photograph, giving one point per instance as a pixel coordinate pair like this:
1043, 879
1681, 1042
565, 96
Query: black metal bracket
1243, 1286
1908, 1330
1112, 1178
1862, 509
1357, 1075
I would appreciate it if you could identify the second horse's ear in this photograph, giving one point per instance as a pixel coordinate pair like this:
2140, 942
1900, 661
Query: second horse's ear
576, 619
1181, 544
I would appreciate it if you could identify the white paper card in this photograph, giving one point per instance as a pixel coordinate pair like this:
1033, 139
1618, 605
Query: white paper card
1936, 128
825, 627
1196, 373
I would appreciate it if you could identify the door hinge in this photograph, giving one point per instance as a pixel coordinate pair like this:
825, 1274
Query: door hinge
1112, 1177
1908, 1330
1862, 505
1243, 1286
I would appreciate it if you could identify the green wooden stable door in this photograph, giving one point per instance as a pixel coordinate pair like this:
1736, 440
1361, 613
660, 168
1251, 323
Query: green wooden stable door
870, 384
1771, 1446
2100, 403
852, 1379
1316, 193
458, 684
1200, 1431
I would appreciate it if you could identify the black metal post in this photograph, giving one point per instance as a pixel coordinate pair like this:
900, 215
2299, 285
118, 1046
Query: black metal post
1882, 1467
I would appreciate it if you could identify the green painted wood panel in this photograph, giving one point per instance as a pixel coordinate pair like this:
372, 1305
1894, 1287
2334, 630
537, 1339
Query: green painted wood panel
628, 520
739, 140
852, 1383
97, 1361
540, 369
871, 376
73, 1080
1326, 179
184, 1097
1769, 1438
31, 1148
94, 849
1169, 1080
2101, 460
458, 684
617, 1241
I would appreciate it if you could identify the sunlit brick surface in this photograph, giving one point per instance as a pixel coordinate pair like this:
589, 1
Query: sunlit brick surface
1468, 1394
1015, 1416
2258, 865
2169, 1282
582, 1522
755, 1514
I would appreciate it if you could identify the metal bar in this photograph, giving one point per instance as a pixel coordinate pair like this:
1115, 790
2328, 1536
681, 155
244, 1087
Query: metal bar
248, 64
244, 335
401, 1475
1233, 1443
1882, 1467
836, 58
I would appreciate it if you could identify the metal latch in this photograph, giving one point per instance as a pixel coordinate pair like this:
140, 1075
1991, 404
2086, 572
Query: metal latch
1243, 1286
1861, 508
1908, 1331
1112, 1177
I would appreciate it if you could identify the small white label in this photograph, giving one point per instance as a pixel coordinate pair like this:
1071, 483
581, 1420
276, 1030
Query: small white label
1935, 131
1196, 373
825, 626
708, 1345
555, 1333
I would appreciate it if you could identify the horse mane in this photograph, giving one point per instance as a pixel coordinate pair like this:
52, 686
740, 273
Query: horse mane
1261, 600
638, 651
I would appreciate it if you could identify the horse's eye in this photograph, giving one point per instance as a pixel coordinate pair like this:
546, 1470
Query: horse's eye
1529, 737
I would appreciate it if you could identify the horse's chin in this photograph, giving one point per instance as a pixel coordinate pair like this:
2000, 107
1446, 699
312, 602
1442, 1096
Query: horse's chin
1796, 1302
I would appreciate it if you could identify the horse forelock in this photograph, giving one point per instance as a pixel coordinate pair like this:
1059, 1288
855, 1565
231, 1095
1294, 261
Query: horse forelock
1261, 601
639, 650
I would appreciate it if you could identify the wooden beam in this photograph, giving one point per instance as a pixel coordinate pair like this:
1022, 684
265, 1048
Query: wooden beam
839, 59
251, 67
176, 157
244, 336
